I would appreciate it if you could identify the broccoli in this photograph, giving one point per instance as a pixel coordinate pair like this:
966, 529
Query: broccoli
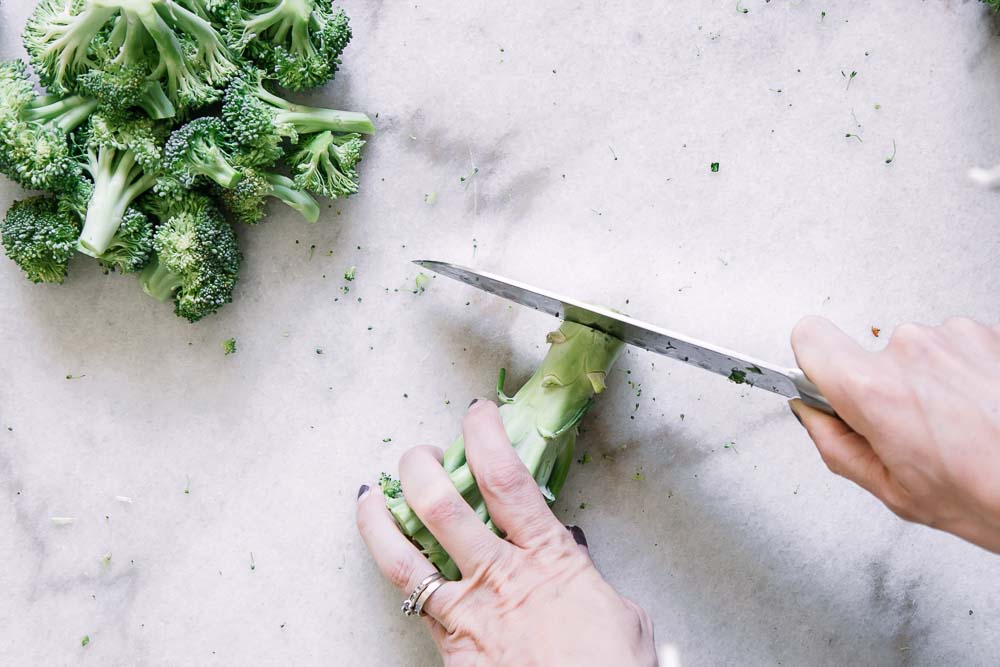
125, 88
256, 117
197, 258
390, 487
299, 42
34, 130
40, 237
122, 159
246, 201
325, 164
173, 44
541, 421
199, 148
131, 246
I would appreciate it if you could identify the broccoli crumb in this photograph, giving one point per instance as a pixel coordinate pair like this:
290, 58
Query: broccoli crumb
638, 476
714, 167
350, 273
585, 459
421, 282
390, 487
85, 640
583, 506
738, 376
229, 346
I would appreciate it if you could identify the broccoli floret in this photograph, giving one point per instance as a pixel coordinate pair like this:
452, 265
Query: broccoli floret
197, 258
125, 88
34, 130
40, 237
256, 117
175, 45
131, 246
391, 488
199, 148
246, 202
326, 164
299, 42
122, 160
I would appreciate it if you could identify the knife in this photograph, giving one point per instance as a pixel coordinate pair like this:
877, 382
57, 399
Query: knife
738, 367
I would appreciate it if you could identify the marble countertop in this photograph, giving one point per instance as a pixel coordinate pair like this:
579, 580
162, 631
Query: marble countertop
585, 131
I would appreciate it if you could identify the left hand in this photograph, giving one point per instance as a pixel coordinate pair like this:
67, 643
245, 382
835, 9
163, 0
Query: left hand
532, 599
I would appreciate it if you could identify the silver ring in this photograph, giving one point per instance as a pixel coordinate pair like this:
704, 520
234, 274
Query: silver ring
414, 605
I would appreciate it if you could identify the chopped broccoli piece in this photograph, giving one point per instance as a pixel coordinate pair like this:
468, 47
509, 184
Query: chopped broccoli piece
390, 487
197, 258
200, 148
229, 346
247, 200
325, 164
41, 238
131, 246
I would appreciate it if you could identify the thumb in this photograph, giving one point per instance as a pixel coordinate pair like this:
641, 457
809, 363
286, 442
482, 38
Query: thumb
844, 452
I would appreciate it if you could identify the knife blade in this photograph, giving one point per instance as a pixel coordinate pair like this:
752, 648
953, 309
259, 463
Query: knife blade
737, 367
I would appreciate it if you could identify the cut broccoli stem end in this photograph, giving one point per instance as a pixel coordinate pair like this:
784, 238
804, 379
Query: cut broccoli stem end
284, 189
308, 120
67, 114
158, 281
155, 102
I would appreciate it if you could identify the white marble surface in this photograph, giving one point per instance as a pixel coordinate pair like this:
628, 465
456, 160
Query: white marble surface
751, 555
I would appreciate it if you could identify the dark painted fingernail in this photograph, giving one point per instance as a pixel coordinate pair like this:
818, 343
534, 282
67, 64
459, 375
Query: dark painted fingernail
578, 535
474, 401
362, 491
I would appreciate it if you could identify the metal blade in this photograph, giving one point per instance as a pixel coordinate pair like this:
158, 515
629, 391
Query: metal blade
739, 368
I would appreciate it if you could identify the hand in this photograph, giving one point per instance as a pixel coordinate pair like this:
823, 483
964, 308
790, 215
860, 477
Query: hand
532, 599
921, 420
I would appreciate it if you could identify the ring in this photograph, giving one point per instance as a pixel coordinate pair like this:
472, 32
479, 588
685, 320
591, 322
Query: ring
414, 605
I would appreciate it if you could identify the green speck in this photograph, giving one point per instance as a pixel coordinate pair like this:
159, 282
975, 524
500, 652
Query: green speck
229, 346
386, 439
583, 460
732, 446
253, 565
738, 376
74, 377
431, 198
583, 506
85, 640
714, 167
187, 488
350, 273
892, 157
741, 10
421, 281
638, 476
877, 107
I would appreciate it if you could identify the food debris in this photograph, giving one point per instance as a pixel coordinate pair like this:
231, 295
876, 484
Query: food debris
253, 565
421, 281
714, 167
849, 77
123, 499
85, 640
638, 476
229, 346
431, 198
876, 331
106, 559
74, 377
892, 157
63, 520
585, 459
738, 376
350, 273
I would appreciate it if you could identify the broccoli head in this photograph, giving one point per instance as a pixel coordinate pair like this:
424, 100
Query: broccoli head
326, 164
200, 149
299, 42
120, 90
197, 258
40, 237
246, 202
131, 246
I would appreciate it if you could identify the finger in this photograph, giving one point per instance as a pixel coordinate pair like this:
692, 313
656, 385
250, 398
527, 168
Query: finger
512, 496
845, 452
436, 501
398, 560
834, 362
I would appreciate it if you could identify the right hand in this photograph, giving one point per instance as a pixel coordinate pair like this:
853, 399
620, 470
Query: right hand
921, 420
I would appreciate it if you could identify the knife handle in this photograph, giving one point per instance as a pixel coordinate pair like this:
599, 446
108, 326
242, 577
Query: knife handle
810, 393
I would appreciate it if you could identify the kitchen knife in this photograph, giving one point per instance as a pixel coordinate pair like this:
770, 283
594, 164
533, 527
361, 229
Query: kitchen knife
739, 368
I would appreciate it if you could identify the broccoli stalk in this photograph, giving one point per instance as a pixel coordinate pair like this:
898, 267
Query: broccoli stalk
247, 200
541, 421
326, 164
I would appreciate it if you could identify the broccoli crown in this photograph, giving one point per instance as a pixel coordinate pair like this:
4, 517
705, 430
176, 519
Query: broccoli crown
40, 237
326, 164
122, 89
298, 41
200, 149
131, 246
197, 259
247, 201
171, 41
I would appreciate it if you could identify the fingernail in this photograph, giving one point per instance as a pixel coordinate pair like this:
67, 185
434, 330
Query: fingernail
474, 401
578, 535
362, 491
791, 406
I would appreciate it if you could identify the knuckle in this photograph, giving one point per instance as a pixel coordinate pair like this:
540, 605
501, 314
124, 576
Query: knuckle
506, 478
400, 573
441, 511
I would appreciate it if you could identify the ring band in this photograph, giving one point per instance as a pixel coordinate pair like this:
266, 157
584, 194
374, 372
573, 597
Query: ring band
414, 605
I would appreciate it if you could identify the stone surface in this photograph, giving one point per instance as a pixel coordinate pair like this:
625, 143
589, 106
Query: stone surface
592, 126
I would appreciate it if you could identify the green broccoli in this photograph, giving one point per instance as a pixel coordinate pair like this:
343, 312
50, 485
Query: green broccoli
541, 421
34, 130
125, 88
298, 41
175, 45
326, 164
246, 202
200, 148
256, 117
131, 246
197, 258
41, 238
122, 159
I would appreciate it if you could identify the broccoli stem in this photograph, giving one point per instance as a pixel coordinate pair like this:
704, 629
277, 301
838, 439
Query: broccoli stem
158, 281
285, 189
308, 120
216, 167
66, 113
75, 38
118, 181
540, 422
156, 103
